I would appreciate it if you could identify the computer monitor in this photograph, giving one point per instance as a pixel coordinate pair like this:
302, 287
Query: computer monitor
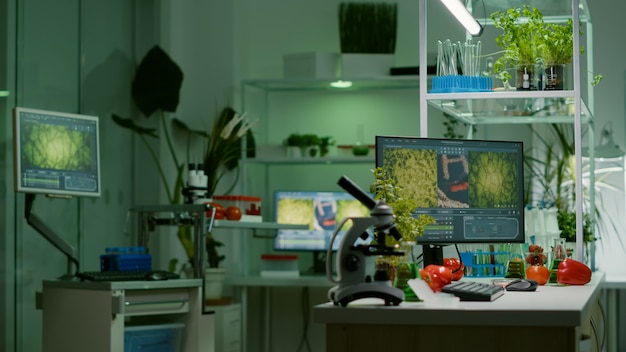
472, 188
322, 212
56, 154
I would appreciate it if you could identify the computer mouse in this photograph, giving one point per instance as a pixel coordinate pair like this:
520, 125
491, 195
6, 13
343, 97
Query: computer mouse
522, 285
156, 276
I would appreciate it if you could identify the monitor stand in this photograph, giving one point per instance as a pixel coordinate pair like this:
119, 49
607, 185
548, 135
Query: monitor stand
432, 254
58, 242
318, 268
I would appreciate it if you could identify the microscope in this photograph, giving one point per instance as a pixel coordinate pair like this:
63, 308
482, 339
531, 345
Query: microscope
352, 282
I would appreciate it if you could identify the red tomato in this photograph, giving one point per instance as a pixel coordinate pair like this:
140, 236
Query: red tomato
219, 210
233, 213
539, 273
573, 272
455, 266
436, 276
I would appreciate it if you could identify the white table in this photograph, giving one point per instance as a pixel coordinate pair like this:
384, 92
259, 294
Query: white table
553, 317
91, 316
267, 283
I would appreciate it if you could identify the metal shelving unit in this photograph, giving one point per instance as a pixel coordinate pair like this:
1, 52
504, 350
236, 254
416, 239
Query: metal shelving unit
490, 107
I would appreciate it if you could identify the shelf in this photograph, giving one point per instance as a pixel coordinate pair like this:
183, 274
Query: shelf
260, 281
555, 11
509, 107
256, 225
310, 161
374, 83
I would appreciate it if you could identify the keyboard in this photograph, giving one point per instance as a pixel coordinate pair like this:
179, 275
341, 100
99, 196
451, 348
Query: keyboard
131, 275
474, 291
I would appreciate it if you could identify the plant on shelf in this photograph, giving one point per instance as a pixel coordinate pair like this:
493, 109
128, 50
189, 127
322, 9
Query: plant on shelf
528, 41
520, 40
308, 143
155, 91
387, 190
367, 27
325, 144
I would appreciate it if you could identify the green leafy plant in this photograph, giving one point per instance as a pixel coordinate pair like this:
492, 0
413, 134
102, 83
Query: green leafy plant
155, 91
387, 190
528, 41
325, 144
551, 171
367, 27
521, 41
557, 43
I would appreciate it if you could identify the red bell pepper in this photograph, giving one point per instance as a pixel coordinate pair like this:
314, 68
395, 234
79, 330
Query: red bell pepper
455, 266
573, 272
436, 276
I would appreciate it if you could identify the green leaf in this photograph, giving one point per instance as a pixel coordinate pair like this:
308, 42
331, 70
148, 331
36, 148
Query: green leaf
179, 124
157, 83
129, 124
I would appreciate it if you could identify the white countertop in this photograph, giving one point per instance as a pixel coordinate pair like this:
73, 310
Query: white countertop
123, 285
550, 305
260, 281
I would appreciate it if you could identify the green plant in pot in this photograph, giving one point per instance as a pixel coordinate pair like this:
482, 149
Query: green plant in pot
325, 144
556, 52
306, 143
367, 27
155, 91
386, 189
521, 43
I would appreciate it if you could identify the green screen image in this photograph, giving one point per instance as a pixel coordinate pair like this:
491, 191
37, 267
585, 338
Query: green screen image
348, 208
493, 180
415, 170
55, 147
295, 211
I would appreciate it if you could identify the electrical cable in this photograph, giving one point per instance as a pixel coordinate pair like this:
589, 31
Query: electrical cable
306, 310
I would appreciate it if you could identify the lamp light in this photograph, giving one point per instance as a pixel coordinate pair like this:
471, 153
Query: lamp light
458, 10
341, 84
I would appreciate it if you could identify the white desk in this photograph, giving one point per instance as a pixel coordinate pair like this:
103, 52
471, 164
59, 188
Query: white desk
91, 316
553, 318
267, 283
613, 283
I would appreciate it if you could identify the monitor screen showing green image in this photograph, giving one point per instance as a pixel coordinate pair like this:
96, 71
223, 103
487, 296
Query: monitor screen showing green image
56, 153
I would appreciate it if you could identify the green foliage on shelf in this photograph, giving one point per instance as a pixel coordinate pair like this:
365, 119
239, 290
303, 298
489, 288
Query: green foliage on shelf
368, 27
521, 41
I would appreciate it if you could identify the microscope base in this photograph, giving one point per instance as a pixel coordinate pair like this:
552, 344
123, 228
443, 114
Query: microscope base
344, 295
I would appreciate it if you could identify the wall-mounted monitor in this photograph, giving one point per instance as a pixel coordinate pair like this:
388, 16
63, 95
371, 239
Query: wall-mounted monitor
56, 153
474, 189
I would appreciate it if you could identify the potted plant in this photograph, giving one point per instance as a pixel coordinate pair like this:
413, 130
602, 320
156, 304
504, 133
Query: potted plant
214, 275
386, 189
155, 91
299, 145
325, 144
367, 36
556, 52
521, 43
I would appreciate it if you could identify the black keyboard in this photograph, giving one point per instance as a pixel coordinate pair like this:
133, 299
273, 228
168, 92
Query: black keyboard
131, 275
474, 291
